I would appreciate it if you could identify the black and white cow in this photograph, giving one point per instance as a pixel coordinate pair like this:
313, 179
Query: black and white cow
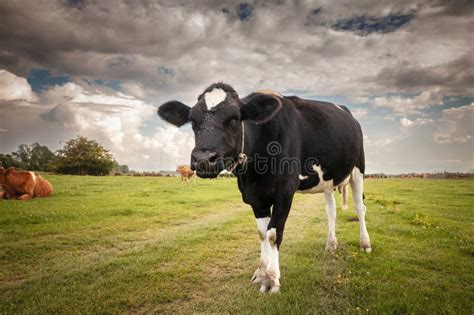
276, 145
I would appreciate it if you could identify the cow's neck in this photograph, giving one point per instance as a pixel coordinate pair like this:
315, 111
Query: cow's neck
258, 138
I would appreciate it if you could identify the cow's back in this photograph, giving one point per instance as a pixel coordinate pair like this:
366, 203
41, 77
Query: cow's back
331, 136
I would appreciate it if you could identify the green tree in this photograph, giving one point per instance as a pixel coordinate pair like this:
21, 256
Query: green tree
7, 161
120, 169
81, 156
34, 157
124, 169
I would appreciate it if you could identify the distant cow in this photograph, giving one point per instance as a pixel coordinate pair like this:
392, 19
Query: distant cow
276, 145
186, 173
23, 185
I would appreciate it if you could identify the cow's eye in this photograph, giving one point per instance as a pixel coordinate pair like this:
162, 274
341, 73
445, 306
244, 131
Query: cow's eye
232, 122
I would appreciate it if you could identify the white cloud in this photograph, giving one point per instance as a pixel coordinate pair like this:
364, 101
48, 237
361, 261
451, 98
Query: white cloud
359, 112
112, 118
359, 99
405, 122
410, 105
456, 125
116, 119
198, 44
13, 87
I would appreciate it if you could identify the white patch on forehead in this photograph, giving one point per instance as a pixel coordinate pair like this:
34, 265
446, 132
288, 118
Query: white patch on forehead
214, 98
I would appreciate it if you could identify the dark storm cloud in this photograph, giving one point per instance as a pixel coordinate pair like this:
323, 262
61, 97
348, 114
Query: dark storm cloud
166, 47
119, 62
244, 11
455, 7
364, 25
454, 77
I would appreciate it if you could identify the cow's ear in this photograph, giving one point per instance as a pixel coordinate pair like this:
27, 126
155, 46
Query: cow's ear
260, 108
9, 170
174, 112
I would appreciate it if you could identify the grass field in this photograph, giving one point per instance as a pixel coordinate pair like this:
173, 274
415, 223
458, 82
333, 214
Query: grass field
139, 245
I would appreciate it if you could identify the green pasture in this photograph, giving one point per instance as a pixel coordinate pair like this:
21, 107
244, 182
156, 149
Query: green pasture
143, 245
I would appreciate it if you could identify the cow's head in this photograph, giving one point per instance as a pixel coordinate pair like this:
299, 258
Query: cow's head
4, 172
216, 121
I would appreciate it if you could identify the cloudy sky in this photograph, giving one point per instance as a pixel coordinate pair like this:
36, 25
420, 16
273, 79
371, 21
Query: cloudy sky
101, 68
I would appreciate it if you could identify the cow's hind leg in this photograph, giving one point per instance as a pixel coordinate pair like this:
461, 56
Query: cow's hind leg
344, 197
331, 244
357, 185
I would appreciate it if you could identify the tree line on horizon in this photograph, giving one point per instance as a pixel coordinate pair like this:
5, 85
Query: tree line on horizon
79, 156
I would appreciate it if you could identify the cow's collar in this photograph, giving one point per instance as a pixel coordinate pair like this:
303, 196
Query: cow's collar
242, 157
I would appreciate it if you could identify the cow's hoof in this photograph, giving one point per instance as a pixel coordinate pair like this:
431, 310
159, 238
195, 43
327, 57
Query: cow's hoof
258, 276
268, 287
345, 207
331, 246
264, 288
275, 289
365, 246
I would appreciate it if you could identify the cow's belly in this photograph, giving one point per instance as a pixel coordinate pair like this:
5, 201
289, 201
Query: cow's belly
322, 185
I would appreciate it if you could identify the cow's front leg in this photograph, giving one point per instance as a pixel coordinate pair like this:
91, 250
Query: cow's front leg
262, 215
271, 235
25, 197
331, 244
260, 275
268, 271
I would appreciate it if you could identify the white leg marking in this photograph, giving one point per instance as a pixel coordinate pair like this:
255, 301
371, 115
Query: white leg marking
260, 275
262, 225
273, 266
268, 272
214, 98
357, 185
331, 244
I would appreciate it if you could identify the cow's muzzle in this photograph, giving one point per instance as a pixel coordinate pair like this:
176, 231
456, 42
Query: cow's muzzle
206, 163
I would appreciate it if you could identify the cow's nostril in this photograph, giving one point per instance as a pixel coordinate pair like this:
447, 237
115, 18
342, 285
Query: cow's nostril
203, 159
212, 157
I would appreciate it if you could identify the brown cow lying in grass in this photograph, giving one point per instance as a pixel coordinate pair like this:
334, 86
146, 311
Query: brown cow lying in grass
186, 173
23, 185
